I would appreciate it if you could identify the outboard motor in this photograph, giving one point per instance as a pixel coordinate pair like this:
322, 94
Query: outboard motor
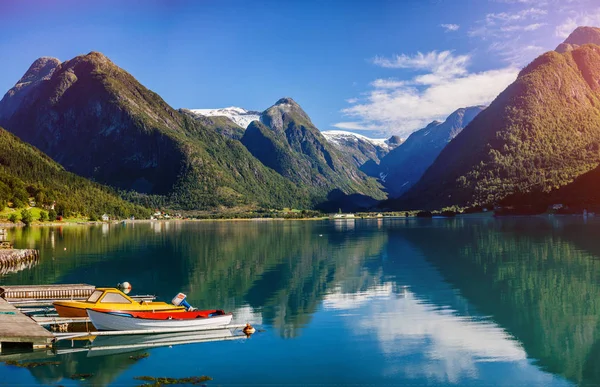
179, 300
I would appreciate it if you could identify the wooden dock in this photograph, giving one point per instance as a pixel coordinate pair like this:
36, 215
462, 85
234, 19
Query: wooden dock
18, 331
46, 292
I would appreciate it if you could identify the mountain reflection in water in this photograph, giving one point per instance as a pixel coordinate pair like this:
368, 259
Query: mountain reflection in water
428, 301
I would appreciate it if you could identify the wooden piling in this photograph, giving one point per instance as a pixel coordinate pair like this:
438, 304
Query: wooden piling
12, 260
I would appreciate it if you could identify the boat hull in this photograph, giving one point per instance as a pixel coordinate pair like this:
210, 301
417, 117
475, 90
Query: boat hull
69, 311
109, 321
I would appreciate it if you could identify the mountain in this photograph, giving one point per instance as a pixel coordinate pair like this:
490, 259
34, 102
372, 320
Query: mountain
26, 172
401, 168
222, 124
579, 37
361, 149
539, 134
41, 70
239, 116
286, 140
98, 121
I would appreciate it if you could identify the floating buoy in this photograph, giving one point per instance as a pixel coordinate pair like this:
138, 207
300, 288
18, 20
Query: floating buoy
248, 329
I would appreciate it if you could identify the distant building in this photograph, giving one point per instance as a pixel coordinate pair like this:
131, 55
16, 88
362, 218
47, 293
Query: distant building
343, 216
557, 206
105, 218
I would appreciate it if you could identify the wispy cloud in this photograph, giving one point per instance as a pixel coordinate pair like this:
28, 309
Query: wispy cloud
443, 64
513, 35
442, 85
505, 17
589, 18
356, 126
528, 27
450, 27
386, 84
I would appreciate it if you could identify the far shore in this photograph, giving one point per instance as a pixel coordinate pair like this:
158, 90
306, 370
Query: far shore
127, 221
68, 222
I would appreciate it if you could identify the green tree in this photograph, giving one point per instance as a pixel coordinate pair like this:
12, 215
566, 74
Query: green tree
43, 216
13, 218
40, 198
18, 203
52, 215
26, 217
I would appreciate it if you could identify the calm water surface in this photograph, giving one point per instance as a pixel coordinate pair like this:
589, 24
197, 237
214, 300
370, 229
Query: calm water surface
365, 302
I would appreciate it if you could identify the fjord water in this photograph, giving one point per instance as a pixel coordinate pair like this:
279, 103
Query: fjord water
356, 302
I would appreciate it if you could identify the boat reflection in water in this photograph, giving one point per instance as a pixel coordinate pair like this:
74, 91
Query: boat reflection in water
103, 359
110, 345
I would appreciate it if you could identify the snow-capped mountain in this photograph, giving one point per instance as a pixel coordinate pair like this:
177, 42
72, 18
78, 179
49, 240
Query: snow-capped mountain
340, 137
365, 152
240, 116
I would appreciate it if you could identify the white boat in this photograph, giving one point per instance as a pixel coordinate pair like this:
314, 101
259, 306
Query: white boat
130, 321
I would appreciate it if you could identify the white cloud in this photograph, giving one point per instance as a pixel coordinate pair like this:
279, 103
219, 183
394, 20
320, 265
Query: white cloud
512, 35
410, 105
590, 18
528, 27
385, 84
450, 27
515, 53
506, 17
438, 62
356, 126
352, 100
536, 2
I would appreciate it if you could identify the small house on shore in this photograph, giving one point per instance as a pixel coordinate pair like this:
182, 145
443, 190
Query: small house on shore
343, 216
105, 218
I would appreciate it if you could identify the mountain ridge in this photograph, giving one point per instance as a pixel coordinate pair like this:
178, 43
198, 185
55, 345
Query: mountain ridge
403, 167
136, 141
286, 140
539, 134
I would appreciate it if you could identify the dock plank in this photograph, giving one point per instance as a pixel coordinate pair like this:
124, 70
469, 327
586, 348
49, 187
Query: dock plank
15, 327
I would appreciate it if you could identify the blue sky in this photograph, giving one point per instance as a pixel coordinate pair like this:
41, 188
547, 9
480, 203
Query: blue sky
376, 67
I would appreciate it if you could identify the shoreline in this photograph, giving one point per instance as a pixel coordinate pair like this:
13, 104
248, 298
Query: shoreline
92, 223
144, 221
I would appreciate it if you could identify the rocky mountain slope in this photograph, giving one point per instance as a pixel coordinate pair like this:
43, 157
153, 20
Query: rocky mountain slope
539, 134
579, 37
24, 91
286, 140
401, 168
361, 149
99, 122
239, 116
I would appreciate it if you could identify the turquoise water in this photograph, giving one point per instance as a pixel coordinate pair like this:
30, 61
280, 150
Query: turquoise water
365, 302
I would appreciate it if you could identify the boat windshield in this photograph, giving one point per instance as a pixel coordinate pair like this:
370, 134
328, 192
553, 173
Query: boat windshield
115, 298
95, 296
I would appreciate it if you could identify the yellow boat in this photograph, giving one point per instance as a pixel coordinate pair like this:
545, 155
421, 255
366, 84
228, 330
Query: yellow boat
111, 299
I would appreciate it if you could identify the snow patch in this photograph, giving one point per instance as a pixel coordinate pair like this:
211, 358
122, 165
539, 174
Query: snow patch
336, 136
240, 116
